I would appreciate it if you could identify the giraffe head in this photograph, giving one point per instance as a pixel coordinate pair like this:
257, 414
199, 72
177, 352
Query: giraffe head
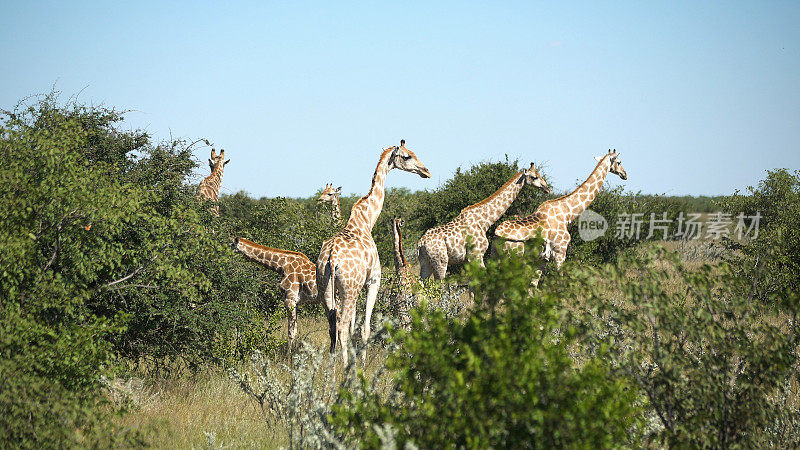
216, 160
404, 159
532, 177
616, 163
329, 194
398, 223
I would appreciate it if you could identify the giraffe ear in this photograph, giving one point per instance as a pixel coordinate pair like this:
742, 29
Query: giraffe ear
226, 162
339, 190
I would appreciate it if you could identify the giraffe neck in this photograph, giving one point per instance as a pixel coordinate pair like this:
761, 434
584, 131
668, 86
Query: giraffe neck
270, 257
494, 206
213, 182
584, 195
366, 210
336, 213
399, 257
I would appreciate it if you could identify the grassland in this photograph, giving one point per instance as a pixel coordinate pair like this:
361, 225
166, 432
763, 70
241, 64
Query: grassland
209, 409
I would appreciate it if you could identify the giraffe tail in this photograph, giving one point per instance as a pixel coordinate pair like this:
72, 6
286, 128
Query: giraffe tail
329, 297
329, 293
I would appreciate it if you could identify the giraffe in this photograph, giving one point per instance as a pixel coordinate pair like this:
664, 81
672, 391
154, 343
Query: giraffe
553, 217
350, 259
404, 280
209, 187
298, 277
445, 245
329, 194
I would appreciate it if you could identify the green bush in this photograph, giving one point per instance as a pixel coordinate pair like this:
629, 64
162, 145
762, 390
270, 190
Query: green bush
54, 348
711, 362
502, 377
771, 259
106, 254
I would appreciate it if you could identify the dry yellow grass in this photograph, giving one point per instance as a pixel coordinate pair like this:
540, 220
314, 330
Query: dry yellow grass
183, 413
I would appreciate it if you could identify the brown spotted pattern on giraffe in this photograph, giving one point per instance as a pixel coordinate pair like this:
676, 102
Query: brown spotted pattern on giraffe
445, 245
298, 276
210, 186
349, 259
553, 217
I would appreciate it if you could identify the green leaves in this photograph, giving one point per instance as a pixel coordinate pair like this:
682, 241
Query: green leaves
709, 360
774, 252
502, 377
104, 255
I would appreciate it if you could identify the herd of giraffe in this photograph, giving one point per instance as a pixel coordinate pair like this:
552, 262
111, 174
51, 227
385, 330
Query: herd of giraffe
349, 260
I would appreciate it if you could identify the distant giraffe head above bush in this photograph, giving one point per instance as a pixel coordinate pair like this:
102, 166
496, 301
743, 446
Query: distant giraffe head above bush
215, 159
331, 195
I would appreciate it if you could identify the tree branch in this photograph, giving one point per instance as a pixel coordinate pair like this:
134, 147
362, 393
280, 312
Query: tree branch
130, 275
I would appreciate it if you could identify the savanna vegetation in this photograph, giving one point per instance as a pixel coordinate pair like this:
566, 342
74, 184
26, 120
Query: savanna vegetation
128, 320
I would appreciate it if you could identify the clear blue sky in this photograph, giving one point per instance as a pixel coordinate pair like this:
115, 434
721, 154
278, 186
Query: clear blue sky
699, 97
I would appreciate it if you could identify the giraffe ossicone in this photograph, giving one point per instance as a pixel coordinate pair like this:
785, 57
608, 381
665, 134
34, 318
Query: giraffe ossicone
445, 245
349, 260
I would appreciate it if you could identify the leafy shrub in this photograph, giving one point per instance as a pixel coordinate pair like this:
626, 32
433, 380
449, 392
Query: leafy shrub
710, 360
54, 347
773, 256
298, 395
501, 377
106, 254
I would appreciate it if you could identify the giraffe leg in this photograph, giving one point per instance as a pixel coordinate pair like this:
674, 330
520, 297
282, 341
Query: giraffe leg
405, 304
538, 276
560, 256
546, 255
344, 320
560, 251
352, 323
481, 245
290, 301
372, 293
439, 270
547, 251
346, 310
344, 339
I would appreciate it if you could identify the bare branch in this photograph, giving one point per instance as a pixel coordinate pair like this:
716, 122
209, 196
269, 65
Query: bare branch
132, 274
